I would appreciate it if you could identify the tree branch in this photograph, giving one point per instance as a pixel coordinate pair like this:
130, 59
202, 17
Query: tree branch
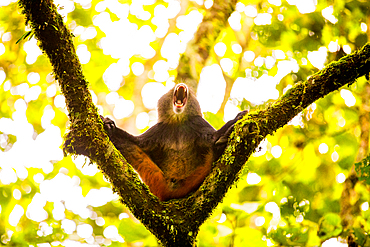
177, 221
254, 127
86, 127
198, 50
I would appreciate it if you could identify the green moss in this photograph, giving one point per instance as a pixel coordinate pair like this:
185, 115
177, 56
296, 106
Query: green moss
174, 221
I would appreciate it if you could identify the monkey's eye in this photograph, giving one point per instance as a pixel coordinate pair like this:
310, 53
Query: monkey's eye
180, 95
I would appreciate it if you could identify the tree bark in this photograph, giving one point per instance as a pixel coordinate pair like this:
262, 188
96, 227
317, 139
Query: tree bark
177, 222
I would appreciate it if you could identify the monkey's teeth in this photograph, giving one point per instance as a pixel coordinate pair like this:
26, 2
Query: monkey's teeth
179, 104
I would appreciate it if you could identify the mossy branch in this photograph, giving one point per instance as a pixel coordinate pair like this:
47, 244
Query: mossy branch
170, 222
55, 40
177, 221
254, 127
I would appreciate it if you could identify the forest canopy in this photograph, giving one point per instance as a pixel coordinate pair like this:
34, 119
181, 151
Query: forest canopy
298, 188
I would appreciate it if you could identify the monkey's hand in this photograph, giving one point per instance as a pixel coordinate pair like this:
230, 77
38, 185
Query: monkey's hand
116, 134
221, 136
109, 125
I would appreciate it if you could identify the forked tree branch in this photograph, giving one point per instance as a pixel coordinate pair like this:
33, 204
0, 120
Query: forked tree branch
174, 223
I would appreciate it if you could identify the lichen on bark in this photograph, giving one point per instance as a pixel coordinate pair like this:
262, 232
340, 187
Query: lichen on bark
176, 221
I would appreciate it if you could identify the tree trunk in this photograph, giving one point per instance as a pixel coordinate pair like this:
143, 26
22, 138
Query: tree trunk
174, 223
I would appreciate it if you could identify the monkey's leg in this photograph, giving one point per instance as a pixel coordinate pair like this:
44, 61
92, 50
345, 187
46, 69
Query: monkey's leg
149, 172
191, 183
179, 188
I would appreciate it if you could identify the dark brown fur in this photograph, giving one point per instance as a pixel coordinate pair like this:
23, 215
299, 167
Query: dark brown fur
174, 156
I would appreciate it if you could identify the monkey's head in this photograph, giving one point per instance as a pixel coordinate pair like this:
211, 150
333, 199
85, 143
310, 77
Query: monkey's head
178, 105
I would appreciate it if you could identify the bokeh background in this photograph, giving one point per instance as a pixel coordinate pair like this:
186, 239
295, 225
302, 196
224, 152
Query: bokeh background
129, 51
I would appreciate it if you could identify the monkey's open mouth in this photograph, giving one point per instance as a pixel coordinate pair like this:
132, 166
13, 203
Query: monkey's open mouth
180, 95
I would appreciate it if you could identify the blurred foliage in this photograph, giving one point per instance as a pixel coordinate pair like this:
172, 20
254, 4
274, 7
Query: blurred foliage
329, 226
292, 195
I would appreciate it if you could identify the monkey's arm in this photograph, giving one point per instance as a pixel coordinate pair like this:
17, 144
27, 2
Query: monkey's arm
116, 135
126, 143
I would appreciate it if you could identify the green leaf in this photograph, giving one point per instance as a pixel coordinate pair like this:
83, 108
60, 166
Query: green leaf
25, 35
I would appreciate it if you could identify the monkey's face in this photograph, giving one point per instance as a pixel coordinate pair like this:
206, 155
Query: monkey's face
180, 98
178, 105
